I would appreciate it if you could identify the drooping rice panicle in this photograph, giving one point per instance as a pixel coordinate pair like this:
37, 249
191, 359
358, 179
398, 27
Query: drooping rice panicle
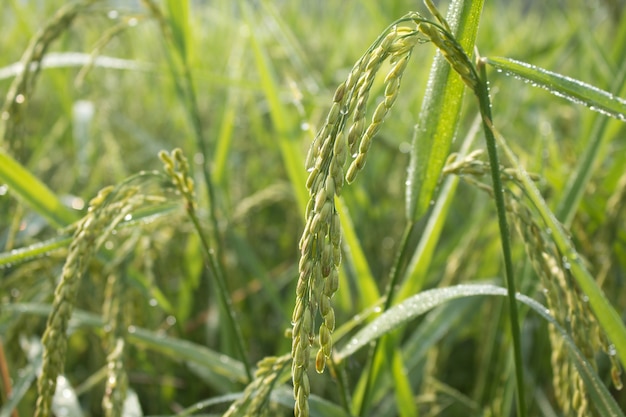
320, 243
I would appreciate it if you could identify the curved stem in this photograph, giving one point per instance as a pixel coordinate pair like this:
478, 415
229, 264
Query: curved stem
482, 93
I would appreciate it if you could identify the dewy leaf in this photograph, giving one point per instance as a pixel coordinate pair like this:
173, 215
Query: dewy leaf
35, 193
427, 300
562, 86
439, 115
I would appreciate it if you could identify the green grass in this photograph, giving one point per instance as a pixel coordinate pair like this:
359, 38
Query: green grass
196, 287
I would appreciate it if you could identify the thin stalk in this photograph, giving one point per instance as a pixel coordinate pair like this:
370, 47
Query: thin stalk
398, 272
215, 269
482, 93
338, 369
186, 92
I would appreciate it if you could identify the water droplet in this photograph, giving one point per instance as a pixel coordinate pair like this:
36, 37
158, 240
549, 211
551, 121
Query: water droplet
4, 189
612, 351
152, 302
128, 217
19, 99
108, 245
305, 126
113, 14
77, 203
131, 329
132, 21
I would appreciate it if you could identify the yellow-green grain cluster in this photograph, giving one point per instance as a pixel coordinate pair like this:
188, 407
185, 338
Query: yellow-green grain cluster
255, 401
106, 211
20, 90
116, 322
441, 36
177, 168
565, 301
346, 132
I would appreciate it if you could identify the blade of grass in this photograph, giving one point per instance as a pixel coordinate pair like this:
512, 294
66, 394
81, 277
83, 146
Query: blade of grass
405, 404
178, 13
421, 303
36, 250
588, 162
224, 369
366, 287
34, 192
440, 113
227, 125
562, 86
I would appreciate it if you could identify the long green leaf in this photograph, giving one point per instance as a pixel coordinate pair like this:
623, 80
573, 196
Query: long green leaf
367, 288
178, 13
599, 137
427, 300
440, 113
223, 368
34, 192
562, 86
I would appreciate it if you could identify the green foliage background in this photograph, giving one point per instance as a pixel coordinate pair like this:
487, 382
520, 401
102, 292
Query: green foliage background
262, 76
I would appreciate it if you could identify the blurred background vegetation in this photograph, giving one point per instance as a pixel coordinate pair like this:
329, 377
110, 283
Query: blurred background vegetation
89, 123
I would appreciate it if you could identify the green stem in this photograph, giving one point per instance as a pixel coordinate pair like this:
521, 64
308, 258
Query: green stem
188, 95
216, 270
398, 272
482, 93
338, 369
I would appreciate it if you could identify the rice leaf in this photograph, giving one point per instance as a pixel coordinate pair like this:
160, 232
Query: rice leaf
34, 192
573, 90
421, 303
223, 369
440, 113
178, 13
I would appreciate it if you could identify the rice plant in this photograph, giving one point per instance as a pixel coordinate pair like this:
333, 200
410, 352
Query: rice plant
262, 267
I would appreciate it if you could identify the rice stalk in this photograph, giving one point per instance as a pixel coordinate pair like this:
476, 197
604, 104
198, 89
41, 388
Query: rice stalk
564, 299
176, 167
106, 211
320, 251
255, 400
116, 314
22, 86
